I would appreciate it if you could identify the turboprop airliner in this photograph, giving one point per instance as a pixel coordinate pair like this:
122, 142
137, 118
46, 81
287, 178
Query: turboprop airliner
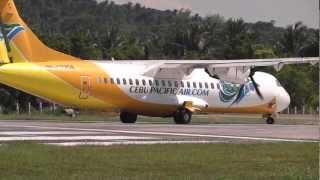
161, 88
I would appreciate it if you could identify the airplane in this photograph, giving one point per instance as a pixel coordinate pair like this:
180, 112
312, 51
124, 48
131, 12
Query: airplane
157, 88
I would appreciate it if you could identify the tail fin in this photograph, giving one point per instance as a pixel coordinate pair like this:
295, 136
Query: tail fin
24, 46
4, 58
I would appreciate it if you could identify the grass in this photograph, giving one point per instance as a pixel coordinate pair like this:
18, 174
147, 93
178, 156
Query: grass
136, 162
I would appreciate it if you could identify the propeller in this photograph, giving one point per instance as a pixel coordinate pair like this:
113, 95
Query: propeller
255, 84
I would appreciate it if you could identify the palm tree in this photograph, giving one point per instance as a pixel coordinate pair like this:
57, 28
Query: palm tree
293, 39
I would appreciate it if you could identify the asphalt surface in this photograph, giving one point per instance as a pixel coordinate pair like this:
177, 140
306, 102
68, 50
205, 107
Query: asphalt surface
102, 133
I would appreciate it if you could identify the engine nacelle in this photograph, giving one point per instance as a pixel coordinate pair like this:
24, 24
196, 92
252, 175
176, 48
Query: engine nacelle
237, 75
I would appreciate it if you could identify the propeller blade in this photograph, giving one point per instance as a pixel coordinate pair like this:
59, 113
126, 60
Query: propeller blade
256, 87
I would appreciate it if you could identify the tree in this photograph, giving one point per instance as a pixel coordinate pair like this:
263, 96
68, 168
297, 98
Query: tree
293, 39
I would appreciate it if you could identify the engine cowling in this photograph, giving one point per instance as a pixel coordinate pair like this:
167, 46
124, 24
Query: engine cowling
237, 75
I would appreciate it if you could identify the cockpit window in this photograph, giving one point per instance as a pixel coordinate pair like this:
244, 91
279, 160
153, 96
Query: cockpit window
278, 83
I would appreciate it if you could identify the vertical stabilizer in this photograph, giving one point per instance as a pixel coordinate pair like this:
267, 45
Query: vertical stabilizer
24, 45
4, 58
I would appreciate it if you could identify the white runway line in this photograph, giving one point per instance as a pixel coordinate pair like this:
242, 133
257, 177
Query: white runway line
171, 134
19, 133
70, 144
71, 138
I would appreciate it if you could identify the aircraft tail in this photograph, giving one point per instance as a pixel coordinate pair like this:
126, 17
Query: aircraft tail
21, 43
4, 58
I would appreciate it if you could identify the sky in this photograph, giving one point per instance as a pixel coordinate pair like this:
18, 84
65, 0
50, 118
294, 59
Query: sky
284, 12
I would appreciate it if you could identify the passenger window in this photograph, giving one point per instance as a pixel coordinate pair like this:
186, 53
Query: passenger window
137, 82
194, 85
150, 82
212, 85
124, 82
106, 80
163, 83
188, 84
131, 81
176, 84
118, 81
144, 82
218, 85
200, 85
112, 81
157, 82
169, 83
206, 85
182, 84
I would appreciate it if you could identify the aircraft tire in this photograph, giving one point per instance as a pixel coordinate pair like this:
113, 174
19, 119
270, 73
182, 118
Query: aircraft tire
183, 116
128, 118
270, 120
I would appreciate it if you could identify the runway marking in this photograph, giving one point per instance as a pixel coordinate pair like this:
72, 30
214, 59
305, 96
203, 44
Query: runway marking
72, 138
130, 143
172, 134
18, 133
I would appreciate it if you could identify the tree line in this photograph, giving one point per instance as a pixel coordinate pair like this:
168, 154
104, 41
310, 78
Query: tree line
95, 31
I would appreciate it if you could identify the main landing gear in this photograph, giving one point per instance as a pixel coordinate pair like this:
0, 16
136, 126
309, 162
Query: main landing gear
269, 118
182, 116
128, 118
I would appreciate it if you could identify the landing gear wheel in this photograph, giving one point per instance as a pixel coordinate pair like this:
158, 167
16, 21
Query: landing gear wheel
128, 118
270, 120
183, 116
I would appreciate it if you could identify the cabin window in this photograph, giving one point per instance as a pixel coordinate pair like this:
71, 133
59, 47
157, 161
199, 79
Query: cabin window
212, 85
137, 82
157, 82
169, 83
105, 80
188, 84
124, 81
144, 82
131, 82
194, 85
182, 84
218, 85
112, 81
200, 85
150, 82
176, 84
163, 83
206, 85
118, 81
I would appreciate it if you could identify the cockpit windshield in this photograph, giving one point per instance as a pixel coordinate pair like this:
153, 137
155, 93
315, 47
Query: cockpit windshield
278, 83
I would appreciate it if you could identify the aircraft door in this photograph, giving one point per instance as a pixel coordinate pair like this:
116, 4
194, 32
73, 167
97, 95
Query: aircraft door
85, 87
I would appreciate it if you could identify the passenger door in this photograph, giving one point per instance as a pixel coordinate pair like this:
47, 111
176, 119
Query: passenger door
85, 84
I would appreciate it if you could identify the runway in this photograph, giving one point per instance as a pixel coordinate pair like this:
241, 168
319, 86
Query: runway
102, 133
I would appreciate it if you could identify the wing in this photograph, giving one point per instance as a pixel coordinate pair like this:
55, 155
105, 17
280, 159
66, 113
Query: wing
230, 70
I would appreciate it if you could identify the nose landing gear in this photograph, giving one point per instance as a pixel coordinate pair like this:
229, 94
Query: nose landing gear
270, 118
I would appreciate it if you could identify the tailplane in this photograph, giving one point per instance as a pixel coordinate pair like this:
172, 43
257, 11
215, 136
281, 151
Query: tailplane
21, 43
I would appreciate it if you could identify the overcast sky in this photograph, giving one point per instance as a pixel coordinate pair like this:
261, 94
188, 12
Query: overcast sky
284, 12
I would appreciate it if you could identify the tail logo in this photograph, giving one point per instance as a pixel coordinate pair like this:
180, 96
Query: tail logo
234, 92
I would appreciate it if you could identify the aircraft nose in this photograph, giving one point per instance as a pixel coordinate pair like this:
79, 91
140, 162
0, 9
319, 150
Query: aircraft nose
283, 100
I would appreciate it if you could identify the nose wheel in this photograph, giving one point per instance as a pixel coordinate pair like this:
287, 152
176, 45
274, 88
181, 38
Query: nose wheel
269, 119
